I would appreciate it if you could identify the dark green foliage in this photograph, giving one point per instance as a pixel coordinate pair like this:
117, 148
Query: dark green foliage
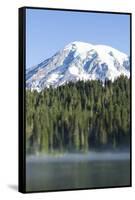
79, 117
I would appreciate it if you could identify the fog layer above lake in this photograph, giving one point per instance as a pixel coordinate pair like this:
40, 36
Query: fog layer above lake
75, 157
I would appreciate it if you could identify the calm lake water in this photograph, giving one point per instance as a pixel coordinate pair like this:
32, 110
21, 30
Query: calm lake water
72, 171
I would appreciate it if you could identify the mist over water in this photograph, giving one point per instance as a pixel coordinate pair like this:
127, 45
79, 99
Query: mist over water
79, 157
77, 170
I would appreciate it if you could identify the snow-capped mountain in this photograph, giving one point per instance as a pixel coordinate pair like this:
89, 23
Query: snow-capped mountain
78, 61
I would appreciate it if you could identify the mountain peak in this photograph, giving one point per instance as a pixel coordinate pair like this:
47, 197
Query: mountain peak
78, 45
78, 61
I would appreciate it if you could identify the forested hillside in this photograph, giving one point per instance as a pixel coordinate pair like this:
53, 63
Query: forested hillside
81, 116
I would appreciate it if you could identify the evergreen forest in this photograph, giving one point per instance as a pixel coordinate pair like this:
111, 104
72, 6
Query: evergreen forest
79, 117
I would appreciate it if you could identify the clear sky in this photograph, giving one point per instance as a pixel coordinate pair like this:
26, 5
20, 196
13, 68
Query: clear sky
48, 31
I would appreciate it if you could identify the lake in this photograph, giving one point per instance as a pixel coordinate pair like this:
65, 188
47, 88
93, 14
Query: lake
74, 171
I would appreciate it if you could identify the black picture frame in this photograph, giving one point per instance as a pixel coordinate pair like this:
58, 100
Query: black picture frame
22, 96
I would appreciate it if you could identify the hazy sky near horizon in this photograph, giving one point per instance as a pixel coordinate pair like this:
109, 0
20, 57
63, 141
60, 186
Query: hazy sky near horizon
48, 31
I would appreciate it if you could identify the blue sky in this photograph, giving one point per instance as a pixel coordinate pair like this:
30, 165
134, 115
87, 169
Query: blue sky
48, 31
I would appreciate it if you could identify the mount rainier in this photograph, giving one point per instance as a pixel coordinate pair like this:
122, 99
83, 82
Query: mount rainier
78, 61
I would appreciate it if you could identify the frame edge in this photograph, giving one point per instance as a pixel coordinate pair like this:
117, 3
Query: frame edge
21, 88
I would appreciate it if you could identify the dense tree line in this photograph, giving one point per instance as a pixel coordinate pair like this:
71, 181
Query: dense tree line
79, 116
